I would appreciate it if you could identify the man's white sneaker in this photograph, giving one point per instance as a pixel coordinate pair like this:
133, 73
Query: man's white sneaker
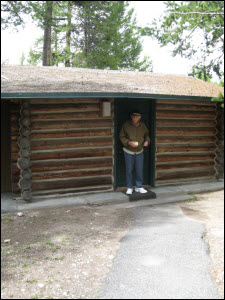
129, 191
141, 190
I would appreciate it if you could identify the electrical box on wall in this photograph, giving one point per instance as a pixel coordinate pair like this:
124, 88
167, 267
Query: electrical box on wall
106, 109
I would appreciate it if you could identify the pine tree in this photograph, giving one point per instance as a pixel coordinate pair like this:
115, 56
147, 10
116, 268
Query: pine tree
96, 34
182, 22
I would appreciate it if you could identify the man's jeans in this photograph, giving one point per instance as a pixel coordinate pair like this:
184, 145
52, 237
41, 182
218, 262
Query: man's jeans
131, 160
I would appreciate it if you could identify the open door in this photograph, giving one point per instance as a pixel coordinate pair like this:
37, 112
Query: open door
122, 109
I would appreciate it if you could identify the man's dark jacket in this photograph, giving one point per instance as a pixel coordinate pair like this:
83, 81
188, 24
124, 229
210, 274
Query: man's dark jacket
129, 132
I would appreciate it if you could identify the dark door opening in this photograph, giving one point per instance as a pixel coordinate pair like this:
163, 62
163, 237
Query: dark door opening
122, 108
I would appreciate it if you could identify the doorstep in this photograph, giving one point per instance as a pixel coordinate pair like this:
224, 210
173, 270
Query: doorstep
164, 194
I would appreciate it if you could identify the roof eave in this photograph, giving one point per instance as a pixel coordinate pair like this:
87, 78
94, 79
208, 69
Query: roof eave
100, 95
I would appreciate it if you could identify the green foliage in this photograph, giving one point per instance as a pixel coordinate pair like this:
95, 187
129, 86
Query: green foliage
185, 25
219, 98
22, 59
201, 72
109, 37
35, 55
12, 13
92, 34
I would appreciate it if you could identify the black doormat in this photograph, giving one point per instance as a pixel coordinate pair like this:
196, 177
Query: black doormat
138, 196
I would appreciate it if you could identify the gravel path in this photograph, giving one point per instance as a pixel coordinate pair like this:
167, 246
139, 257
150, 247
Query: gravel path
162, 257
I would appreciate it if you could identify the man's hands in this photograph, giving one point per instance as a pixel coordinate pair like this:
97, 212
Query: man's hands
135, 145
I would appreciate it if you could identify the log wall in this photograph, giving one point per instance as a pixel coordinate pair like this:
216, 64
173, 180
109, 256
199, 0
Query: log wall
186, 141
71, 146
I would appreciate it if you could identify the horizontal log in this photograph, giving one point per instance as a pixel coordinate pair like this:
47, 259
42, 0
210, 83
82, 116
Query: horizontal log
71, 154
185, 102
65, 144
165, 149
184, 139
14, 147
71, 143
15, 156
72, 133
62, 174
67, 164
64, 190
186, 174
83, 173
15, 101
15, 116
76, 191
182, 165
65, 134
59, 116
71, 124
64, 107
184, 107
15, 169
14, 128
184, 157
66, 116
184, 123
15, 136
191, 180
186, 131
68, 183
185, 114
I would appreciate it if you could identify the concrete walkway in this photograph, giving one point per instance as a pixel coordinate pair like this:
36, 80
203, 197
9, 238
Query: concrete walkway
162, 257
163, 195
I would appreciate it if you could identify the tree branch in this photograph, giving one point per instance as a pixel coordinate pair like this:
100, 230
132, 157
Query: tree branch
201, 13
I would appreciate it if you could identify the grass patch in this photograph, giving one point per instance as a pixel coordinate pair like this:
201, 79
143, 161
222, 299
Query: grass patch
195, 198
6, 219
58, 258
31, 281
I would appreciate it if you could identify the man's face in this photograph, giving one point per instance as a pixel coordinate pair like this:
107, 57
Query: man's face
135, 119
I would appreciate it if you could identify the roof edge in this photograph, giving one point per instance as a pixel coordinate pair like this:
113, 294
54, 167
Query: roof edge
100, 95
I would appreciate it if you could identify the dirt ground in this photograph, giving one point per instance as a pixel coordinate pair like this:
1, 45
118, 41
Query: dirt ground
209, 209
66, 252
60, 253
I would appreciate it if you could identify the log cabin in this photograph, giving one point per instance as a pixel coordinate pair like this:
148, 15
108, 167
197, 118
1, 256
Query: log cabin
60, 127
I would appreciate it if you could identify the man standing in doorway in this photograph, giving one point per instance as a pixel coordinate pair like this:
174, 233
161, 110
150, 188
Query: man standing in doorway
134, 136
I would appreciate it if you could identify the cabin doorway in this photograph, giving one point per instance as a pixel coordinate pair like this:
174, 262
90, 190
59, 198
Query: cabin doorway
123, 107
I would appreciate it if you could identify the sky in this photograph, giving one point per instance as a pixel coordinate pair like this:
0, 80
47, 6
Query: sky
13, 44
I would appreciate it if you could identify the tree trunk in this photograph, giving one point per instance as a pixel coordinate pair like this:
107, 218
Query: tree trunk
47, 34
68, 35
